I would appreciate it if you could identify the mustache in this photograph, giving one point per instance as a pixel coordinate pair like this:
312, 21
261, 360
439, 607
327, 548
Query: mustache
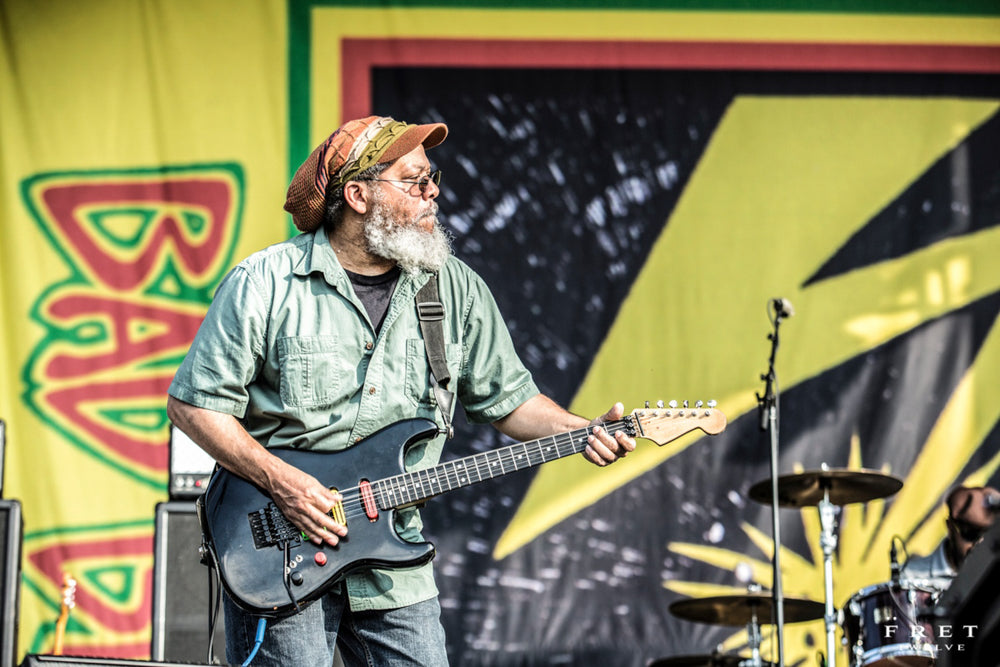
431, 211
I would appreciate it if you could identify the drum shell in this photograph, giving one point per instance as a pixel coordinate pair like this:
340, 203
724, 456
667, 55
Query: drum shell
891, 624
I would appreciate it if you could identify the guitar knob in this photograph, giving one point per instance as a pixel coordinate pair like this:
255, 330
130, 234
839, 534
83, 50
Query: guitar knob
297, 578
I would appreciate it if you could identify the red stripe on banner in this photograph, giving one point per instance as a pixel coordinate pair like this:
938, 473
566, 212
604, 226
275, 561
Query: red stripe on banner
359, 56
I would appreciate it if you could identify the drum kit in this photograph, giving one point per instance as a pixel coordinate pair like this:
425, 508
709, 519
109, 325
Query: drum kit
867, 615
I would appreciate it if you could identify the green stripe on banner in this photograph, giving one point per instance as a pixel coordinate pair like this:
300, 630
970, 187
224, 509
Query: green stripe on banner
942, 7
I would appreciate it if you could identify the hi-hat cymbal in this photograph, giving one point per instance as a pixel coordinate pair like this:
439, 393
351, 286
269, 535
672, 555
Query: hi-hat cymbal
714, 660
737, 610
845, 487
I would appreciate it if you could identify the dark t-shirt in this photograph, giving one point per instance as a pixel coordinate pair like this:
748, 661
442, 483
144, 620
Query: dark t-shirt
375, 292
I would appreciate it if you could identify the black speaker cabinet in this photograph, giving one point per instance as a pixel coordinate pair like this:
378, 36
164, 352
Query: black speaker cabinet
181, 605
11, 527
968, 612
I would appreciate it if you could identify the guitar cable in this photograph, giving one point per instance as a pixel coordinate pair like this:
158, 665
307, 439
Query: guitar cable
258, 640
215, 603
286, 574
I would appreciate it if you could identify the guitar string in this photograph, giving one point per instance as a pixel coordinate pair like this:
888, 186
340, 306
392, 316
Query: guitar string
402, 485
403, 488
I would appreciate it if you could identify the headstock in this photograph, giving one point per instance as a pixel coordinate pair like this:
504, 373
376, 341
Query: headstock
668, 422
68, 591
68, 602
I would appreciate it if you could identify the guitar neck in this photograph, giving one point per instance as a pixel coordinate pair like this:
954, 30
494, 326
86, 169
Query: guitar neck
415, 487
57, 644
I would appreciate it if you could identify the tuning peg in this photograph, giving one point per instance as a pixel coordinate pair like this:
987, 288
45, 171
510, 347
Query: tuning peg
685, 403
672, 404
698, 404
712, 403
659, 404
647, 405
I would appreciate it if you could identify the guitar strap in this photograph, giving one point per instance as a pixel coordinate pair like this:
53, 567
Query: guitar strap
430, 312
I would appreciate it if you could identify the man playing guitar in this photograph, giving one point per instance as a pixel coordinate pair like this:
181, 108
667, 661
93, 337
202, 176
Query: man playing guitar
315, 344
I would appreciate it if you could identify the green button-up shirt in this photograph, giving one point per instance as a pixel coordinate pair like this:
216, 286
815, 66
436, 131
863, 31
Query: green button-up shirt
288, 348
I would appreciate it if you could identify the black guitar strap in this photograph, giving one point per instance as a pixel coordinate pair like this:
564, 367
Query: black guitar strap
430, 312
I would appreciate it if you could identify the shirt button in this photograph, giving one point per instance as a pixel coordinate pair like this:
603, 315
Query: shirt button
358, 439
371, 390
369, 345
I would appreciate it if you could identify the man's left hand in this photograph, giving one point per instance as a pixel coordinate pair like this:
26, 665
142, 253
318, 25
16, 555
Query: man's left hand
604, 448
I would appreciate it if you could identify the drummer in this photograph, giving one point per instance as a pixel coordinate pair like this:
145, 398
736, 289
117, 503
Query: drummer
970, 514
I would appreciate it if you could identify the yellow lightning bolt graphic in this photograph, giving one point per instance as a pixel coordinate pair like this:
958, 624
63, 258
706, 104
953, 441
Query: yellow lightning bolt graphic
783, 184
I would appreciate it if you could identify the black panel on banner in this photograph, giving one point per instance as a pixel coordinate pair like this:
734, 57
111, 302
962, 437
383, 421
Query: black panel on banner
181, 605
550, 173
11, 527
73, 661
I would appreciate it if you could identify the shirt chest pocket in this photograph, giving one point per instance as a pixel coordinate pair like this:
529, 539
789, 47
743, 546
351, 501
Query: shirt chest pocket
418, 378
312, 370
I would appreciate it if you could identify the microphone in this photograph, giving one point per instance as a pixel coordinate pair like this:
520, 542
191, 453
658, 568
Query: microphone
991, 502
782, 307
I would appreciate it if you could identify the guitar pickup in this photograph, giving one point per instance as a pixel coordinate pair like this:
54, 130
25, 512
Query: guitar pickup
270, 528
337, 511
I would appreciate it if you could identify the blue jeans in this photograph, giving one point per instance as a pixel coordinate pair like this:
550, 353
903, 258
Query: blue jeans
410, 636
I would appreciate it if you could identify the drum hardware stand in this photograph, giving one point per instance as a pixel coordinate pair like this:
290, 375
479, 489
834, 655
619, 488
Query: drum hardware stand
828, 489
753, 638
769, 422
828, 542
753, 633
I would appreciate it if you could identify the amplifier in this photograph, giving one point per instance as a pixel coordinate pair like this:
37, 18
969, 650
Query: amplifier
182, 608
11, 536
190, 466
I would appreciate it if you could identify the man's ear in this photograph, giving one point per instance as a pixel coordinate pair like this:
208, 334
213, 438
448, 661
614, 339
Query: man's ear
356, 196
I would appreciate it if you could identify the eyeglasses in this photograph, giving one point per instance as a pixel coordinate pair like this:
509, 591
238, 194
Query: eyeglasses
423, 183
967, 531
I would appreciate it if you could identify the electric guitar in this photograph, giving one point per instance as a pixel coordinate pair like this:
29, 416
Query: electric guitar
270, 570
68, 602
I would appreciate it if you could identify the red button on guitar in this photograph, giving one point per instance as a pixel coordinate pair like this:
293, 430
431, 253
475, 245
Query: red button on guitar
320, 558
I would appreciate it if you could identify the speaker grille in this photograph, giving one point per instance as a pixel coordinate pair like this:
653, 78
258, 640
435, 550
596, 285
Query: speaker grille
181, 605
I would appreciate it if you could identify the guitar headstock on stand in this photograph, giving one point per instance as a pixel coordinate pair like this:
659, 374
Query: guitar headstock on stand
68, 602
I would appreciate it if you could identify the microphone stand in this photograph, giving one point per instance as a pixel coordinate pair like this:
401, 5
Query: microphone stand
769, 422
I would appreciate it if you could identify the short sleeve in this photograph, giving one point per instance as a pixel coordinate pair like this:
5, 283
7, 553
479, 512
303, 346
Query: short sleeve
226, 354
494, 380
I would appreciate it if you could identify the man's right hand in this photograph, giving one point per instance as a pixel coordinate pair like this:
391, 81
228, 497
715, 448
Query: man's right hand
300, 497
305, 502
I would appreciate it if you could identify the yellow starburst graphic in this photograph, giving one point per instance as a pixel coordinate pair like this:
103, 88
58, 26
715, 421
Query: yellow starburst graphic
861, 559
793, 197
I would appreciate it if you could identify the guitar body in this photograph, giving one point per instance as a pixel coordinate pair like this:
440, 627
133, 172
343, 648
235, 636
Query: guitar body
254, 574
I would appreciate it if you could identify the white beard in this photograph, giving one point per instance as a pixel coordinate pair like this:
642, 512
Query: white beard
412, 248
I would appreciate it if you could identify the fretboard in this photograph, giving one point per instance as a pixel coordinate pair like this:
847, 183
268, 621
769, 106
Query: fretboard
415, 487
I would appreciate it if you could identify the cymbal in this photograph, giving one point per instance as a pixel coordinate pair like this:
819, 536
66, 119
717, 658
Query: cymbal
739, 610
714, 660
845, 486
